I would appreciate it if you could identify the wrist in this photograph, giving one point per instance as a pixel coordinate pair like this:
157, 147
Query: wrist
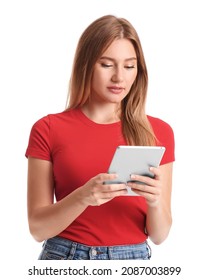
80, 197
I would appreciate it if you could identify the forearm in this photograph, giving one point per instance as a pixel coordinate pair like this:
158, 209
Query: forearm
158, 223
48, 221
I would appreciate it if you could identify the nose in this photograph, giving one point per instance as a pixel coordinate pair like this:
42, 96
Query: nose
117, 76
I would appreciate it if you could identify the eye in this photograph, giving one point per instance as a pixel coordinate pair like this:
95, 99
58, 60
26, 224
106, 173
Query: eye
105, 65
130, 66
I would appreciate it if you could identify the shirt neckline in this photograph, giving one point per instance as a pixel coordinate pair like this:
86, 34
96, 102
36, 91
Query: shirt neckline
90, 122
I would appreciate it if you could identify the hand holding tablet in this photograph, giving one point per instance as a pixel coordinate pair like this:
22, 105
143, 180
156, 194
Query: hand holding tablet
137, 160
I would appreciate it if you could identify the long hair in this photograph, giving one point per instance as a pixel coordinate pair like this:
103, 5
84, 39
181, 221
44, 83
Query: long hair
97, 37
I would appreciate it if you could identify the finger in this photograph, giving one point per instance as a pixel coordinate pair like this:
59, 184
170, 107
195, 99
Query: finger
112, 187
144, 188
151, 199
105, 197
102, 177
110, 195
143, 179
155, 171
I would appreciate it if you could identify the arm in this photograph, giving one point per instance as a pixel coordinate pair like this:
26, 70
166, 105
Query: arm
157, 193
46, 218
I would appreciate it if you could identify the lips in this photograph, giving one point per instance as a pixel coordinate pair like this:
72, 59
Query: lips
115, 89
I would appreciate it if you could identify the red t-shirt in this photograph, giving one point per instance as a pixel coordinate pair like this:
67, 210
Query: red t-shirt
79, 149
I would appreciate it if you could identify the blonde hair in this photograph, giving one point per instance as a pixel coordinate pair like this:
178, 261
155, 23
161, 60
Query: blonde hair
93, 42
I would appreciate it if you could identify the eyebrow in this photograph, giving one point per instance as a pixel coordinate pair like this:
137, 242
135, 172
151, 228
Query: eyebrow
112, 59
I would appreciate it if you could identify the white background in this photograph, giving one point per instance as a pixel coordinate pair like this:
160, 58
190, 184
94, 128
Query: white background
38, 40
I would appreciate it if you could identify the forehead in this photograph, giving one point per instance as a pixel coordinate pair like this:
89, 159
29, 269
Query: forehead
120, 49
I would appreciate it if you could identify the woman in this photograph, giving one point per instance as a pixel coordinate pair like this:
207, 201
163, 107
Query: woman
69, 154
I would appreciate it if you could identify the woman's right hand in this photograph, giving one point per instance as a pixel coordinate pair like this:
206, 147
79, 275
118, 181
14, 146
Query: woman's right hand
95, 192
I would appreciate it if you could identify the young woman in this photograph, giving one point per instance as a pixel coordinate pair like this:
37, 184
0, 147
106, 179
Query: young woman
69, 154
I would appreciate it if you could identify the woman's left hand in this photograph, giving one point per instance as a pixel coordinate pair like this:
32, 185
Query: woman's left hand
149, 188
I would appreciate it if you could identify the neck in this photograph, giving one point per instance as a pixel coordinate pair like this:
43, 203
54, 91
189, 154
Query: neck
105, 114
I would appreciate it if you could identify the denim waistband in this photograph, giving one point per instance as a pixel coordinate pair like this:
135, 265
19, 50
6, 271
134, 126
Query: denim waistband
61, 248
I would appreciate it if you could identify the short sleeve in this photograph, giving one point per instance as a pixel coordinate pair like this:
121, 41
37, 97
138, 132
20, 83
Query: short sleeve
39, 140
165, 137
168, 142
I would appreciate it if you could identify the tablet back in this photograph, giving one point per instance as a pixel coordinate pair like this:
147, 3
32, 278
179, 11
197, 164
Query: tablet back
129, 160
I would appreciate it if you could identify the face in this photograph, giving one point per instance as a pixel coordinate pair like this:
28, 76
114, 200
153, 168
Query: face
114, 72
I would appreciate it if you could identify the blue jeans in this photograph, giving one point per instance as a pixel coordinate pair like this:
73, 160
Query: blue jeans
58, 248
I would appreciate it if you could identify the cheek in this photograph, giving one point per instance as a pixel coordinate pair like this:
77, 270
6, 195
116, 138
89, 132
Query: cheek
98, 79
131, 80
134, 77
95, 81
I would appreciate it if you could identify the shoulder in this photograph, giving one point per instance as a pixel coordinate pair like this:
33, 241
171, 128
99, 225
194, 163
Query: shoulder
44, 132
159, 124
55, 118
161, 128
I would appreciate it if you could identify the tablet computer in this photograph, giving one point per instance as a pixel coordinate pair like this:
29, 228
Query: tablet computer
129, 160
